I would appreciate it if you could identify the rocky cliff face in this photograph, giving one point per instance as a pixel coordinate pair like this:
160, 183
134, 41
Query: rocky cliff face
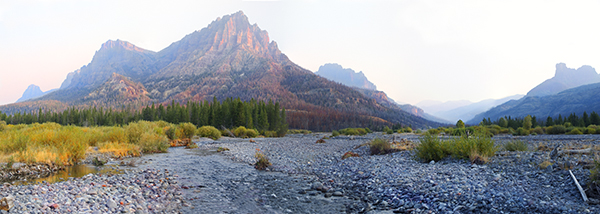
565, 78
119, 88
32, 91
345, 76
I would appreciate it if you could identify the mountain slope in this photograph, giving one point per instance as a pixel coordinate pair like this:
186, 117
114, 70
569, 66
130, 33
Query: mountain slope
565, 78
345, 76
575, 100
432, 107
229, 58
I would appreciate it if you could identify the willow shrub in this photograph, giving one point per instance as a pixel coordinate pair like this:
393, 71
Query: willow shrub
209, 131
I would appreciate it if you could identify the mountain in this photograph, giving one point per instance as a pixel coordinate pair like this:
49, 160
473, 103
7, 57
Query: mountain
228, 58
466, 113
565, 78
433, 107
32, 92
575, 100
345, 76
382, 98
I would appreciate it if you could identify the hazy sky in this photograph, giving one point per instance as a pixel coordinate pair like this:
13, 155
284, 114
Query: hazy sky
412, 50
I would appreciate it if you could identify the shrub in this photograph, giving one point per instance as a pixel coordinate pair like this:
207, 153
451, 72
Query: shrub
387, 130
251, 133
465, 147
240, 132
321, 141
270, 134
433, 131
538, 130
335, 133
429, 149
153, 143
517, 145
262, 162
171, 132
298, 131
575, 131
368, 130
521, 132
210, 132
380, 146
353, 131
557, 129
2, 125
590, 131
349, 154
188, 130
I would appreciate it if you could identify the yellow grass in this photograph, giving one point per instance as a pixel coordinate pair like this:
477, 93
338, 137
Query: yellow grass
119, 149
66, 145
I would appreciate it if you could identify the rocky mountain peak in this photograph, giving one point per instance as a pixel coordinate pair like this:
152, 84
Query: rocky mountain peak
235, 30
566, 78
120, 45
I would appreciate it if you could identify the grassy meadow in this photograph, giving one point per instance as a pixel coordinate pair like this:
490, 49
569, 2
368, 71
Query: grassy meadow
52, 143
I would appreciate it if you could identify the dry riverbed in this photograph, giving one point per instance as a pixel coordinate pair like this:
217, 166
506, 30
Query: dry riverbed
311, 178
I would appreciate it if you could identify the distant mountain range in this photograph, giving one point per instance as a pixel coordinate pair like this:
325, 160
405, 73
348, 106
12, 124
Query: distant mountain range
345, 76
359, 82
32, 92
544, 100
228, 58
464, 110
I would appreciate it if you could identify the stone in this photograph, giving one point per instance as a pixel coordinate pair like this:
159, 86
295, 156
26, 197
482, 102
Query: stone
7, 203
338, 194
111, 204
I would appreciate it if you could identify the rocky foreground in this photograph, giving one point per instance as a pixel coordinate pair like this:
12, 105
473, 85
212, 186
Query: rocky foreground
307, 177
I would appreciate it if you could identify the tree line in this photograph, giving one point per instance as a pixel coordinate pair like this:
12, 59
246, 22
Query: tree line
260, 115
572, 120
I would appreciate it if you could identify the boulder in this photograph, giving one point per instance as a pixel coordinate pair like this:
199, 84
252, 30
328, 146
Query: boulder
7, 202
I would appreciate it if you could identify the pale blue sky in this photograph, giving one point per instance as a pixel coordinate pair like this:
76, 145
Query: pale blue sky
412, 50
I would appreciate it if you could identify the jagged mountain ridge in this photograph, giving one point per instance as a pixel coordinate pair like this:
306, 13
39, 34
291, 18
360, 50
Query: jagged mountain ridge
565, 78
468, 112
229, 58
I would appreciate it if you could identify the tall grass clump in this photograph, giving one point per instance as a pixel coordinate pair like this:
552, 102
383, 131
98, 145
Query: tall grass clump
210, 132
154, 143
476, 148
430, 148
380, 146
517, 145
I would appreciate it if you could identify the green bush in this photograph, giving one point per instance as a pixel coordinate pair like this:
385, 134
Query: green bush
251, 133
2, 125
590, 131
368, 130
188, 130
171, 132
516, 146
557, 129
335, 133
387, 130
430, 148
353, 131
298, 131
537, 130
270, 134
380, 146
209, 131
521, 132
240, 132
575, 131
433, 132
